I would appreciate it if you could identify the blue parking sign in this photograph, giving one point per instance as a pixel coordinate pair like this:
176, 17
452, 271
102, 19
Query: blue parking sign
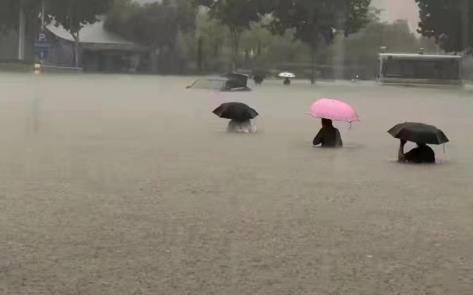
43, 53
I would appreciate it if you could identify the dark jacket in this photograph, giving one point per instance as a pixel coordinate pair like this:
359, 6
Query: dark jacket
328, 137
419, 155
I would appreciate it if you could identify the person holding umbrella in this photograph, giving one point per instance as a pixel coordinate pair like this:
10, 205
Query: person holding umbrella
421, 134
287, 76
329, 110
421, 154
240, 116
246, 126
258, 79
328, 136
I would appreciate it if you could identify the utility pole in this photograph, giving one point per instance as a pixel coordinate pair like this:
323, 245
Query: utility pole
43, 11
465, 25
21, 32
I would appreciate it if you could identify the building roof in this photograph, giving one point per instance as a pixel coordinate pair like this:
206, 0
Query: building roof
95, 36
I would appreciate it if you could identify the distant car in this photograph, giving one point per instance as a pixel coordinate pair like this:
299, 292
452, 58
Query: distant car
237, 81
229, 82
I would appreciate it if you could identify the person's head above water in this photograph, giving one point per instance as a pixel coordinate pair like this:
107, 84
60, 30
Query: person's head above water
327, 123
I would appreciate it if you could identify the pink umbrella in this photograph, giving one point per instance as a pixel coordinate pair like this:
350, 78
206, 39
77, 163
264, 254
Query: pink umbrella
334, 110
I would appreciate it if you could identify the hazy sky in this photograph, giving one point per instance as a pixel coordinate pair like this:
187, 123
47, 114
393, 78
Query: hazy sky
392, 10
399, 9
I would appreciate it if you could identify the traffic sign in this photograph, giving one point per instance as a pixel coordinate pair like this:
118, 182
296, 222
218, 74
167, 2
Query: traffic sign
42, 37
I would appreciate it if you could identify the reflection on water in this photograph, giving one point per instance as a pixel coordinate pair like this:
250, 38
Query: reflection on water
38, 92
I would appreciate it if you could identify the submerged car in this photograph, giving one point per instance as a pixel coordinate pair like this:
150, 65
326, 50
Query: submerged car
227, 82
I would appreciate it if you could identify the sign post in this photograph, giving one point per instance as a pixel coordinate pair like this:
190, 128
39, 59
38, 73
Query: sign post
42, 47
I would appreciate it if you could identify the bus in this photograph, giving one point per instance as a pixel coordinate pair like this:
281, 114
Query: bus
401, 68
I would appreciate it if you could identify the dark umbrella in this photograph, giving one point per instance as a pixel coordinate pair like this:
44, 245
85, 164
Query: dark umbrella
418, 132
235, 111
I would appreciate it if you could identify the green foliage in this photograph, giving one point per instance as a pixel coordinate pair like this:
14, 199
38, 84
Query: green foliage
450, 22
120, 16
9, 12
361, 49
318, 20
256, 40
262, 48
73, 15
154, 24
396, 36
182, 37
162, 26
212, 37
236, 15
7, 18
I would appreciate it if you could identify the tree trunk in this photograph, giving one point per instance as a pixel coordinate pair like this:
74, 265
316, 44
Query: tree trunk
247, 57
153, 60
235, 36
312, 74
216, 51
200, 54
77, 58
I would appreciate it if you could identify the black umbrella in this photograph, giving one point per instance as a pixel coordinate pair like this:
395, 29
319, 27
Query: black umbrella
418, 132
235, 111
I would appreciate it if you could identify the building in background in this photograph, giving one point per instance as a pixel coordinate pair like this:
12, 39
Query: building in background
100, 50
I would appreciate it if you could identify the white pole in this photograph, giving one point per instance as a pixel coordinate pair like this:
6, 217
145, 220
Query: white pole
43, 11
465, 25
21, 34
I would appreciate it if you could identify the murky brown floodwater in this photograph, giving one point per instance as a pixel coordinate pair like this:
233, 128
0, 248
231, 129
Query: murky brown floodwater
129, 185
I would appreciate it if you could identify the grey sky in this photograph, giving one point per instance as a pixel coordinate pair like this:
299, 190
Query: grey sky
392, 10
399, 9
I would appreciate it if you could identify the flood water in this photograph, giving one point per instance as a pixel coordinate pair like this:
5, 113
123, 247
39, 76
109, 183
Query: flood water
130, 185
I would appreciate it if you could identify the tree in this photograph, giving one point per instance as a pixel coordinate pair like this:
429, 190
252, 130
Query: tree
318, 21
263, 49
73, 15
156, 25
211, 41
9, 12
20, 16
237, 15
119, 18
363, 47
449, 22
257, 38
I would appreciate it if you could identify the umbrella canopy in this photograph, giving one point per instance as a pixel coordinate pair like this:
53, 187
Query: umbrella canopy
286, 75
418, 132
333, 109
235, 111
